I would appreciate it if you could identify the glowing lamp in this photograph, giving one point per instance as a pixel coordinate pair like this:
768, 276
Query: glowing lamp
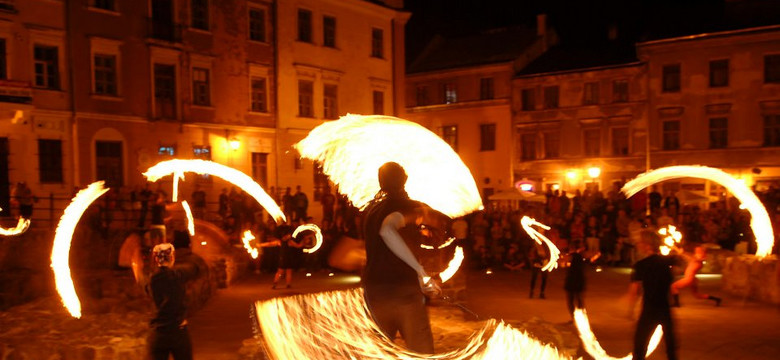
526, 187
234, 144
594, 172
556, 187
571, 174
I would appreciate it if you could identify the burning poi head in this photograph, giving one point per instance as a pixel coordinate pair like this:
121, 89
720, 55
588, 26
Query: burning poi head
163, 254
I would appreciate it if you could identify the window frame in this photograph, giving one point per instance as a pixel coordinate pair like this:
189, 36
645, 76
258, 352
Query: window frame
487, 137
196, 88
487, 88
378, 102
263, 26
547, 91
377, 43
614, 143
207, 20
588, 147
772, 75
666, 142
330, 101
52, 82
449, 133
771, 123
306, 100
329, 35
305, 27
714, 68
620, 96
671, 78
593, 99
525, 95
718, 136
556, 153
50, 169
530, 146
107, 47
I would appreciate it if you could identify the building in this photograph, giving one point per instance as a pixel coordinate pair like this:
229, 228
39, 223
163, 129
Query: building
334, 57
461, 88
714, 99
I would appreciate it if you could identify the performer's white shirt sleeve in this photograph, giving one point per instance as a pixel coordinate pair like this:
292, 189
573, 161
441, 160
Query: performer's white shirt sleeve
389, 234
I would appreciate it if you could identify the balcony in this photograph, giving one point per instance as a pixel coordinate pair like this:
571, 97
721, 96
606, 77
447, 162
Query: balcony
17, 92
163, 29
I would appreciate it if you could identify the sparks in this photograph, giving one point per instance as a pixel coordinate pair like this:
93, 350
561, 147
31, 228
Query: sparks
592, 345
317, 236
60, 252
21, 226
352, 149
671, 238
190, 221
453, 266
759, 222
343, 327
233, 176
246, 239
540, 239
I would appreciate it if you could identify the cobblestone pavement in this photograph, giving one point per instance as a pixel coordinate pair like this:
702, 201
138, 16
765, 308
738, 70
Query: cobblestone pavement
738, 329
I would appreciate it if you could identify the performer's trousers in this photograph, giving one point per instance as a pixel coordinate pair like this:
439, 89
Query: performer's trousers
176, 342
405, 314
645, 327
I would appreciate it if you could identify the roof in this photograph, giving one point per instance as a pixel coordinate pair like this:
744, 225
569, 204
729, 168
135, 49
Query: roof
489, 47
563, 58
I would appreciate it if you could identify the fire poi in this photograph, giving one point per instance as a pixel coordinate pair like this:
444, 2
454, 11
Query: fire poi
317, 236
540, 239
21, 226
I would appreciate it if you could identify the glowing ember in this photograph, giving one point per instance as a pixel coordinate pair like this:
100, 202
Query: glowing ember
442, 246
246, 239
671, 237
190, 222
453, 265
352, 149
527, 222
21, 226
234, 176
760, 223
344, 329
317, 235
592, 345
61, 249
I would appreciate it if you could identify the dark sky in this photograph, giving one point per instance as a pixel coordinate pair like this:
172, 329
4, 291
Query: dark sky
581, 22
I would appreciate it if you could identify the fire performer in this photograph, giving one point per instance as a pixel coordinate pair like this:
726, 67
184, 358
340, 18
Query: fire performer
653, 274
695, 263
169, 334
393, 280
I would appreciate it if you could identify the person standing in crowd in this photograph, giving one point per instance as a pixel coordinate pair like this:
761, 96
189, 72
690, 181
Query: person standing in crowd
695, 263
653, 277
301, 203
224, 204
394, 282
574, 283
169, 335
24, 199
198, 203
538, 258
288, 206
287, 254
328, 202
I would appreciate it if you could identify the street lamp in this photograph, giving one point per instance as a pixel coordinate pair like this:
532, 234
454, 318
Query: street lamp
594, 172
234, 143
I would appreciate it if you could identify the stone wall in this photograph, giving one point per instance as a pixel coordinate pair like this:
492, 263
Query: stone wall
750, 278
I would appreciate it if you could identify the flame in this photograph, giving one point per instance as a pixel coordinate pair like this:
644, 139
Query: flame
231, 175
592, 345
759, 222
442, 246
61, 249
178, 175
190, 222
21, 227
342, 325
352, 149
453, 266
317, 235
246, 238
672, 237
527, 222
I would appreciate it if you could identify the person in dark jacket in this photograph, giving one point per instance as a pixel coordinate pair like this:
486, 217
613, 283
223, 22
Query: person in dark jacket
169, 334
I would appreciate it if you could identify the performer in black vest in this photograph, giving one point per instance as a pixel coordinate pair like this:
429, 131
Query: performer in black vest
393, 279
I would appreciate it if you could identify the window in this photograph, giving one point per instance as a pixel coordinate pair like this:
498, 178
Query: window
550, 97
304, 25
200, 14
47, 73
591, 93
671, 135
450, 135
486, 89
257, 24
527, 97
379, 102
108, 162
671, 78
377, 43
592, 139
50, 161
719, 73
104, 4
449, 93
165, 91
166, 150
772, 130
305, 98
329, 31
105, 74
620, 141
200, 87
552, 145
320, 182
422, 96
719, 133
620, 91
201, 152
528, 146
772, 68
260, 168
3, 60
487, 137
330, 101
259, 103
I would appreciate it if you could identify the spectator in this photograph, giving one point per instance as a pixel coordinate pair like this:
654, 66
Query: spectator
301, 203
198, 203
288, 205
328, 202
24, 198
